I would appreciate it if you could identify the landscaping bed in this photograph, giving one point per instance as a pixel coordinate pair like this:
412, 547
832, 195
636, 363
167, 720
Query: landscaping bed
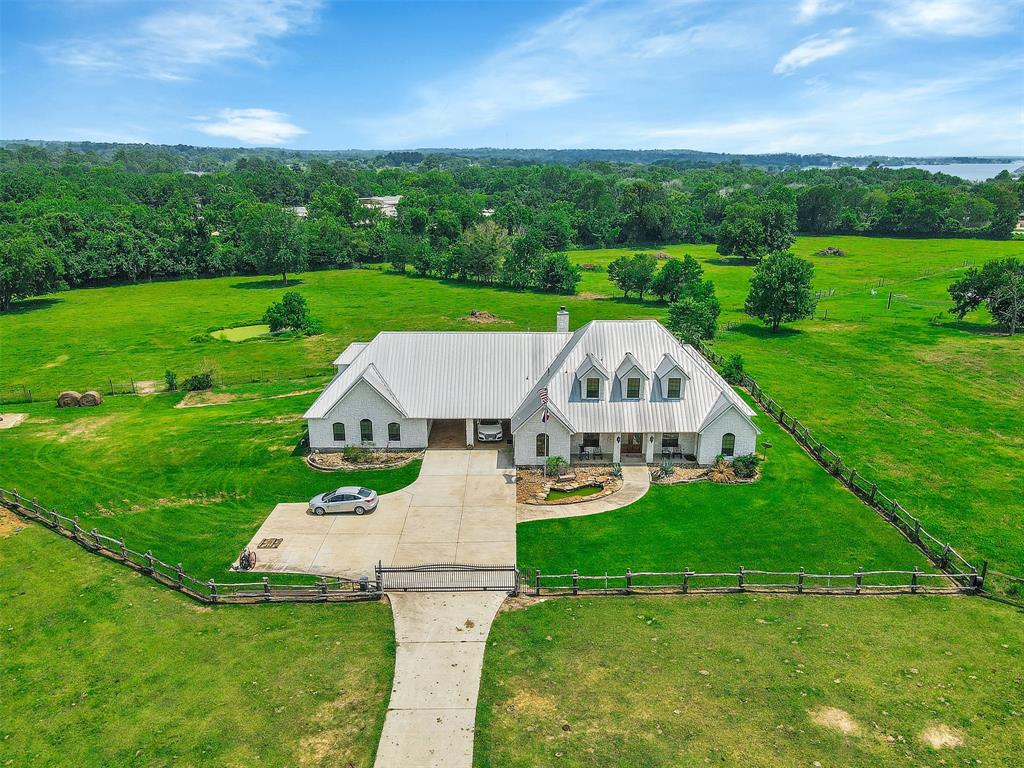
367, 459
532, 487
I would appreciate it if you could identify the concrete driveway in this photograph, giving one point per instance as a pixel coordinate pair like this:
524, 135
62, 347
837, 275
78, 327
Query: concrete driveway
461, 508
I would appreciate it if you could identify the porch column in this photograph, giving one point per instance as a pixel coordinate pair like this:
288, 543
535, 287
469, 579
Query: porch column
470, 433
617, 448
649, 448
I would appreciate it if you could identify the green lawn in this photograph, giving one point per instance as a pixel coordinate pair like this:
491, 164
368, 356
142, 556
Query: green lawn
100, 667
795, 515
192, 484
752, 681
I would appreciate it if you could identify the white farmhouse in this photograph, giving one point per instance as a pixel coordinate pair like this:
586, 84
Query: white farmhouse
612, 391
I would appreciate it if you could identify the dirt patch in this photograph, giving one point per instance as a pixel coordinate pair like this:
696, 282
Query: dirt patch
149, 386
181, 501
483, 316
287, 419
59, 360
79, 429
9, 523
11, 420
196, 607
208, 397
527, 703
836, 719
590, 296
198, 399
941, 737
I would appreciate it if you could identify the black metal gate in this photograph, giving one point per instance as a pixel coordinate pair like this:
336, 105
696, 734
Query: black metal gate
447, 577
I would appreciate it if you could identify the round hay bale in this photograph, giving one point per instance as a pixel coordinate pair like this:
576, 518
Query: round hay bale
90, 398
69, 399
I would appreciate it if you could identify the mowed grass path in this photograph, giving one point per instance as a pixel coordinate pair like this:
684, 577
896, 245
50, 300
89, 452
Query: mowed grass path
102, 668
930, 412
192, 484
752, 681
795, 516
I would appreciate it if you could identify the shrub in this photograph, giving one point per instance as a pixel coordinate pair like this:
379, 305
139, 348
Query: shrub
171, 380
745, 467
356, 455
591, 268
201, 338
721, 471
554, 465
313, 327
617, 471
198, 382
830, 251
291, 313
732, 369
664, 469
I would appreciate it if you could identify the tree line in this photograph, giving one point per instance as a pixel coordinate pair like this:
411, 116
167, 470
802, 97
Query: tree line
73, 218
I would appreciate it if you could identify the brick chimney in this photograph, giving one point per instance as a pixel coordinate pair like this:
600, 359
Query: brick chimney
562, 320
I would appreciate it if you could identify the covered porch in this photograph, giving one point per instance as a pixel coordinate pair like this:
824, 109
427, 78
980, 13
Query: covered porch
633, 447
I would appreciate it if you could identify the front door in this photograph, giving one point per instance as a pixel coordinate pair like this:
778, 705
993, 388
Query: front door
632, 442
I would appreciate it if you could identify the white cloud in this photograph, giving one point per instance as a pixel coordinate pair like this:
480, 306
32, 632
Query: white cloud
814, 49
808, 10
250, 126
587, 49
954, 18
172, 44
858, 120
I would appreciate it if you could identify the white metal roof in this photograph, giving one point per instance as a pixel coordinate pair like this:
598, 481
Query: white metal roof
456, 375
647, 341
449, 375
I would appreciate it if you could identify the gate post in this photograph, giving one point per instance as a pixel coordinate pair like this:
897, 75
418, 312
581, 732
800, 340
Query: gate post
536, 583
575, 582
629, 581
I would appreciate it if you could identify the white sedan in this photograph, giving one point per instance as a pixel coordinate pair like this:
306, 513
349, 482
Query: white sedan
489, 431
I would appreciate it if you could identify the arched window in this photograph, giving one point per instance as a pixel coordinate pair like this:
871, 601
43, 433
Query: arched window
366, 431
394, 432
728, 444
542, 444
339, 431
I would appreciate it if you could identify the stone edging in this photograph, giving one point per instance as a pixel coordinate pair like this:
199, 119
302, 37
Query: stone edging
705, 479
312, 463
610, 486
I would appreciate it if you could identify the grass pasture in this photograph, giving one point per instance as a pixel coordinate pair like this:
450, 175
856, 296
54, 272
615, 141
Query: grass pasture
928, 408
754, 681
193, 484
102, 668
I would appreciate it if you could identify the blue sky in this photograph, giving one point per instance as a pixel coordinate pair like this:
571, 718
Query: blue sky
842, 76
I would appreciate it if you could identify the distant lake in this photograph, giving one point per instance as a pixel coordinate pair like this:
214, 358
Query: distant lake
969, 171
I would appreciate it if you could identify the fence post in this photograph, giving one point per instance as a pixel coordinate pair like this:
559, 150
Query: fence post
945, 557
124, 550
35, 506
181, 575
111, 383
892, 512
800, 581
56, 520
979, 585
913, 581
686, 580
75, 529
917, 531
860, 578
266, 587
853, 476
741, 578
149, 560
629, 580
323, 587
212, 586
575, 581
536, 582
96, 537
874, 491
132, 380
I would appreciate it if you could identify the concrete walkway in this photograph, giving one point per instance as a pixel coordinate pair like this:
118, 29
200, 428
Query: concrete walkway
635, 482
461, 508
441, 638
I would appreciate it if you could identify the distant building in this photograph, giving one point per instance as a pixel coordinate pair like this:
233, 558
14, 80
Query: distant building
298, 210
386, 204
487, 213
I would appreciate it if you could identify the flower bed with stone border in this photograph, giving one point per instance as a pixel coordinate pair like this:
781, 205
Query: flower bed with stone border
532, 487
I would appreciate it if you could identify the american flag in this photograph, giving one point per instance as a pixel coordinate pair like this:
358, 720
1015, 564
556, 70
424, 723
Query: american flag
543, 395
545, 417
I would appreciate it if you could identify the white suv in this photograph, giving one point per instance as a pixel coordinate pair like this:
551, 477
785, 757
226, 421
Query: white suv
489, 431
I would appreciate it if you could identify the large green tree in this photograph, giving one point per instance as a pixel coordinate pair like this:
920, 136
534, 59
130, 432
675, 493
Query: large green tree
271, 239
633, 274
675, 276
780, 290
694, 316
27, 267
997, 285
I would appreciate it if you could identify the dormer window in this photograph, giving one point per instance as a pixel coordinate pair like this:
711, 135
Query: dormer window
593, 388
675, 388
633, 387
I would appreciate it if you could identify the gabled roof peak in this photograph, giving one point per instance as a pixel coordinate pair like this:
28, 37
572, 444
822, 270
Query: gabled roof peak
629, 362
